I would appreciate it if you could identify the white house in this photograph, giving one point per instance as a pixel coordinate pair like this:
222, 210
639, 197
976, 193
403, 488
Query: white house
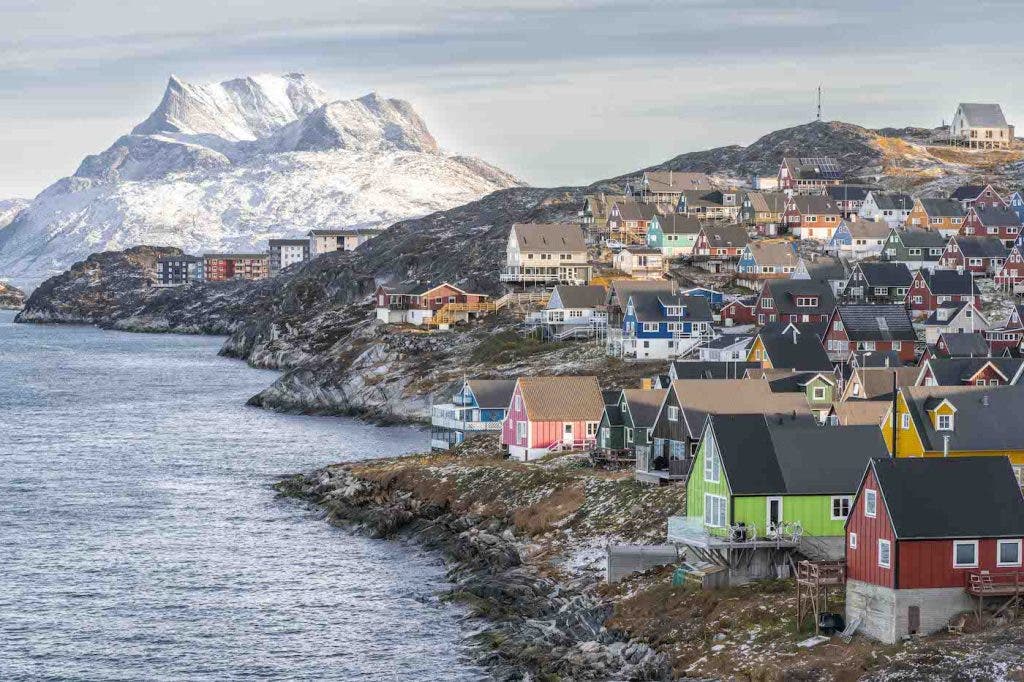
980, 126
641, 262
955, 318
573, 312
892, 207
546, 253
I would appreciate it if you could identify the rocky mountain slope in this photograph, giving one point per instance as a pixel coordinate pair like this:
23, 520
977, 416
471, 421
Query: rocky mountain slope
226, 166
9, 209
314, 320
11, 298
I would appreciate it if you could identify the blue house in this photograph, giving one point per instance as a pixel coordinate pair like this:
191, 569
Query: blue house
658, 326
715, 298
477, 406
1016, 202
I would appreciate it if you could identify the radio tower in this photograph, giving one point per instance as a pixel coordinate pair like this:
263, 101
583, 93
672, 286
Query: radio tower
819, 103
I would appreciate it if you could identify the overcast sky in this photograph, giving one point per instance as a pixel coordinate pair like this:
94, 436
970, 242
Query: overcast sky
555, 91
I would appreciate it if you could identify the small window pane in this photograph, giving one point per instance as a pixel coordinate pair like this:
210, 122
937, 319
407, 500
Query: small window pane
1009, 553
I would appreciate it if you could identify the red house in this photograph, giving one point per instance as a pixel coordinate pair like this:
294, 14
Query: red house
870, 327
1011, 274
930, 289
739, 312
925, 536
550, 414
977, 195
794, 300
998, 221
418, 303
720, 242
983, 256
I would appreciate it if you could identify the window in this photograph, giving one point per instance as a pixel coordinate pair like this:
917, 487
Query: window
870, 503
605, 434
673, 413
521, 431
519, 403
884, 554
965, 554
712, 466
905, 421
629, 435
819, 393
853, 541
714, 511
944, 422
591, 428
650, 326
1008, 553
1018, 471
840, 507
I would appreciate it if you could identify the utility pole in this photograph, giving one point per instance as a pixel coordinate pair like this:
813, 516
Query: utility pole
819, 102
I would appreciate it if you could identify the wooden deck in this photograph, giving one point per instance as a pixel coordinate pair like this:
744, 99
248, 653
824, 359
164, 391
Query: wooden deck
1000, 584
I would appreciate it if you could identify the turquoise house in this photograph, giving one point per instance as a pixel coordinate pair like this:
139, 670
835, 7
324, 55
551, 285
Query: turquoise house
674, 234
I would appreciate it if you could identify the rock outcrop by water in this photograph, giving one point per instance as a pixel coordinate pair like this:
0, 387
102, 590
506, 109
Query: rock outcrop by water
537, 626
11, 297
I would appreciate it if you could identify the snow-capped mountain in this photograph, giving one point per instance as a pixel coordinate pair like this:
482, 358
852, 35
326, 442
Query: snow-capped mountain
230, 165
9, 208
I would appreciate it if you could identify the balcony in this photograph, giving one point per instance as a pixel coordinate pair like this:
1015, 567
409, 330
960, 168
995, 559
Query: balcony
450, 416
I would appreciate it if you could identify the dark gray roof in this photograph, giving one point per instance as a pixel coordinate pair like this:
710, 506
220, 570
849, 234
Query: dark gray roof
782, 455
959, 497
866, 322
289, 242
186, 258
893, 201
876, 358
492, 393
967, 192
727, 341
634, 210
794, 347
977, 426
726, 235
954, 306
949, 282
936, 208
589, 296
997, 216
699, 369
611, 396
886, 274
983, 114
677, 223
916, 237
957, 371
614, 415
981, 247
785, 292
647, 305
644, 405
813, 167
815, 204
827, 268
849, 192
965, 344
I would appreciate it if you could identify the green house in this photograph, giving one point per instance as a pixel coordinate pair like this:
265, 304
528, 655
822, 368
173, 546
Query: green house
916, 247
625, 428
819, 388
674, 234
761, 472
611, 439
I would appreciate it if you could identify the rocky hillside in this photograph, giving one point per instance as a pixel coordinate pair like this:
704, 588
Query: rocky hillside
11, 298
226, 166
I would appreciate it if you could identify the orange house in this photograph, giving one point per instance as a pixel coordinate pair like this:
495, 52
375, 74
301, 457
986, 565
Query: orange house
945, 216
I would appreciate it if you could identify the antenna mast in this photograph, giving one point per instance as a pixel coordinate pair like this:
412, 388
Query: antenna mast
819, 102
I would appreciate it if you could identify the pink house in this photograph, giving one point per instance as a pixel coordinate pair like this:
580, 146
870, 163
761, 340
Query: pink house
550, 414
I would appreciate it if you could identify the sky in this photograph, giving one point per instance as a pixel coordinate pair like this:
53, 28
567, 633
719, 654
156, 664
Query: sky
557, 92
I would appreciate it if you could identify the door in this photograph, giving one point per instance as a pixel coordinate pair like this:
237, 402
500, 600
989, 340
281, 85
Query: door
567, 436
774, 517
913, 619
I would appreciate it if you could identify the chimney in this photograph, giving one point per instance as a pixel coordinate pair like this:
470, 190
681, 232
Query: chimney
984, 400
945, 446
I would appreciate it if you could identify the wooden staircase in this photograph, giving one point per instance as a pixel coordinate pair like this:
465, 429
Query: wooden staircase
448, 314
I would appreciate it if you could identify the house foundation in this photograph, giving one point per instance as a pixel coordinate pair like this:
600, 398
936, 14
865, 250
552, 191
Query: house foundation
888, 615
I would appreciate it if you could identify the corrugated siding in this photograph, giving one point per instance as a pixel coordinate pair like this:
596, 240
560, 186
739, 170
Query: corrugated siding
508, 431
814, 512
862, 563
929, 563
696, 487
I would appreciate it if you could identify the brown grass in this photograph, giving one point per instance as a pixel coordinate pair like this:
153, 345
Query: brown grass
542, 516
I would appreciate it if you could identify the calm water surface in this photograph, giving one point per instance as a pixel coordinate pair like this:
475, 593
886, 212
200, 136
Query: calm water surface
140, 538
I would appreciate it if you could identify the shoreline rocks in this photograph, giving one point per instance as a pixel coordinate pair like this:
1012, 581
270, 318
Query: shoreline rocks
537, 627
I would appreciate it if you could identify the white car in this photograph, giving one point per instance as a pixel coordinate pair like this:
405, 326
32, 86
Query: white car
614, 245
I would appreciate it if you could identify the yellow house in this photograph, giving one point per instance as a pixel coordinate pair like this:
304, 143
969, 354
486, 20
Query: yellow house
789, 346
957, 421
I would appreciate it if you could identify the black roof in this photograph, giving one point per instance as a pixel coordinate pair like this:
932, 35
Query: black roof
956, 497
981, 247
967, 192
949, 282
782, 455
492, 393
886, 274
727, 340
986, 418
867, 322
997, 216
795, 346
611, 396
919, 237
647, 306
726, 235
937, 208
785, 292
875, 358
827, 268
722, 369
613, 415
893, 201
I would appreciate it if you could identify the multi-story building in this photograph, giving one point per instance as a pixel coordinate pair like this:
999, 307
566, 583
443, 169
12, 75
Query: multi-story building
348, 239
218, 267
287, 252
811, 174
546, 253
173, 271
980, 126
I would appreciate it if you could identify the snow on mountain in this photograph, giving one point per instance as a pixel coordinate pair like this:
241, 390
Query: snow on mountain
230, 165
9, 208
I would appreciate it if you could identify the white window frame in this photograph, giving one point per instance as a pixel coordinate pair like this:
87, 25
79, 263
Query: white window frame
888, 553
840, 498
972, 543
853, 540
818, 393
712, 463
939, 422
672, 413
870, 510
999, 553
905, 421
711, 504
